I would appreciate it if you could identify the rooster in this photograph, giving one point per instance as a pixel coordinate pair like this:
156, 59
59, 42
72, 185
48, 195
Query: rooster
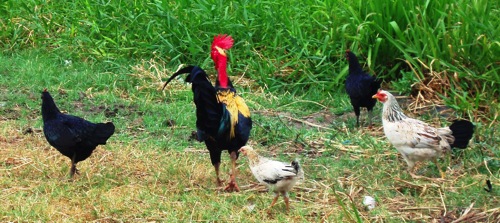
417, 140
222, 118
278, 176
73, 136
360, 87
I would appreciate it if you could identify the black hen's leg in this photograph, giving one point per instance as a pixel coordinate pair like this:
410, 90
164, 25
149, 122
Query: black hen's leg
232, 182
370, 117
73, 169
357, 112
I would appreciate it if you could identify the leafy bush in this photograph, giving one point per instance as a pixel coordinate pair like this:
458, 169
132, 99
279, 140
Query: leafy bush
290, 46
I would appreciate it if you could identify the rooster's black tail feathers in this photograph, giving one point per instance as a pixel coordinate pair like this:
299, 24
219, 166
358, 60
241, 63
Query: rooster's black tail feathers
208, 109
184, 70
462, 131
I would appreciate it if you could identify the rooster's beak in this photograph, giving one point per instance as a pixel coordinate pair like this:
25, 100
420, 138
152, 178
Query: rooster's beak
221, 51
375, 96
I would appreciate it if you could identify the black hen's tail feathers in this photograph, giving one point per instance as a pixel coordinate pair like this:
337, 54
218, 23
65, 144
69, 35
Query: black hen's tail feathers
462, 131
102, 132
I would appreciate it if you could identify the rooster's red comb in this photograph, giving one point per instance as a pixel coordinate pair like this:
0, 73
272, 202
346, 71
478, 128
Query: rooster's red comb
223, 41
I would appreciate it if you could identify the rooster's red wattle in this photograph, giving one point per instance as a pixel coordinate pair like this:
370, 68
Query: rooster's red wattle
222, 118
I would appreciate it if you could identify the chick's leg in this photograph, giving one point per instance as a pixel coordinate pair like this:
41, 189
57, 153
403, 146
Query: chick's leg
276, 196
287, 200
275, 199
232, 181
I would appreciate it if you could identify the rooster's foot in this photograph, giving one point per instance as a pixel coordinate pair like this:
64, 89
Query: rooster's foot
232, 187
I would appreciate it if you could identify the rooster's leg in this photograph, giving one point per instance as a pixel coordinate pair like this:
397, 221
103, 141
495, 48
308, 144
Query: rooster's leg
217, 172
443, 175
232, 182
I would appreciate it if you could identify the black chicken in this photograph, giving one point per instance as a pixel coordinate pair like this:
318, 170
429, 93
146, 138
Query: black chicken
360, 87
73, 136
222, 118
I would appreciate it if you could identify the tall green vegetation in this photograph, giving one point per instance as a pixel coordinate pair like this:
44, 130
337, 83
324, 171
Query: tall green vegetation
452, 46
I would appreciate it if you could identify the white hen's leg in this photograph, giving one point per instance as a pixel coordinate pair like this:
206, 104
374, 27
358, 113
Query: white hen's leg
411, 166
443, 175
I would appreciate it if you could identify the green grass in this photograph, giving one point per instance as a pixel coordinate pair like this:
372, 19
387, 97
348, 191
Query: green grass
107, 60
151, 171
285, 46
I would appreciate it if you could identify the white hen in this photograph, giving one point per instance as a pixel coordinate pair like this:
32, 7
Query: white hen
417, 140
278, 176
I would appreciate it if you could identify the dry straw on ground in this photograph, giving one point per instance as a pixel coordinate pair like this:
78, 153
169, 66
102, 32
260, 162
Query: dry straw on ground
135, 181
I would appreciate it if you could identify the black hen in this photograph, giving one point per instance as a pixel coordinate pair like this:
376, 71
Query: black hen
73, 136
360, 87
222, 118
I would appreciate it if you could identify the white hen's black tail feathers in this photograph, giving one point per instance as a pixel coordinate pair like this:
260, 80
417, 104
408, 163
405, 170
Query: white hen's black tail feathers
462, 131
